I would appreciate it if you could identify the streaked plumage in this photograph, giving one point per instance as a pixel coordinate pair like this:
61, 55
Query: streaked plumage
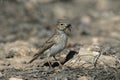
54, 44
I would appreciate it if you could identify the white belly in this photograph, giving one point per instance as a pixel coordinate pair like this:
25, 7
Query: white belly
54, 50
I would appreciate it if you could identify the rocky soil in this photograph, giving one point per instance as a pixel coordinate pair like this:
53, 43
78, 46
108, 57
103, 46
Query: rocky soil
93, 50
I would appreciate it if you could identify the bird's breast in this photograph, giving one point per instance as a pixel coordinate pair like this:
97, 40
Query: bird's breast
60, 43
61, 39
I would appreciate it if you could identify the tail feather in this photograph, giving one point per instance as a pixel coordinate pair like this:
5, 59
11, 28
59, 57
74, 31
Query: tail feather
41, 51
33, 59
36, 56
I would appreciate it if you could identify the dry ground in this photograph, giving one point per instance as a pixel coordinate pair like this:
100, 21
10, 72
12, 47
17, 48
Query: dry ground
93, 50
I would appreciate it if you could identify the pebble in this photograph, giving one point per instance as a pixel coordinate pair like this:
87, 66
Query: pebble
15, 79
1, 75
10, 53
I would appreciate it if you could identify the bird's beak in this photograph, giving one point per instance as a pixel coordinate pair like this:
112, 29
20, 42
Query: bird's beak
69, 26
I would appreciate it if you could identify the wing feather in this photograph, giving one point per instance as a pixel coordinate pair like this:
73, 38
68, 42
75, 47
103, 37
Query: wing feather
46, 46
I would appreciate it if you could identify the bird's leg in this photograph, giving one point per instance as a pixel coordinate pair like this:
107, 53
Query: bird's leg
55, 58
58, 61
49, 63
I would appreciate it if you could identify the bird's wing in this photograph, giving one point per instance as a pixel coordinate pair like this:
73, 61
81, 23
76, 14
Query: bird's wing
51, 38
49, 43
45, 47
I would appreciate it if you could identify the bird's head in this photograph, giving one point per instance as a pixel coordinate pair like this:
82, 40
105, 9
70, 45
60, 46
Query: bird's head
63, 26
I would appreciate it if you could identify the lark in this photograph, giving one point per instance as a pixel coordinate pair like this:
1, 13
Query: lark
56, 43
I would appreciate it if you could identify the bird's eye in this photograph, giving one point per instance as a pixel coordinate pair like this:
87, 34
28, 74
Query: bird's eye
61, 24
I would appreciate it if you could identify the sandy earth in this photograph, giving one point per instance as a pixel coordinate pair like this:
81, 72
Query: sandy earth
92, 52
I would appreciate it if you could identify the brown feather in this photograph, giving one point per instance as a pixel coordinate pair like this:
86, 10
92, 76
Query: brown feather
41, 51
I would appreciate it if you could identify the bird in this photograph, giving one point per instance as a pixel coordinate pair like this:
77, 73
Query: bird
56, 43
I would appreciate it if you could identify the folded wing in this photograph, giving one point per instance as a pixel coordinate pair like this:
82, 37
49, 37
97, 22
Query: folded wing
46, 46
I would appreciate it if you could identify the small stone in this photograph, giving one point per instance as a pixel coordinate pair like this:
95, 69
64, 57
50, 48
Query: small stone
10, 53
6, 64
84, 78
23, 62
15, 79
1, 75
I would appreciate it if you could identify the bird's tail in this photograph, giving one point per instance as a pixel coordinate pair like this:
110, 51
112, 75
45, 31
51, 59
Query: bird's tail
35, 57
41, 51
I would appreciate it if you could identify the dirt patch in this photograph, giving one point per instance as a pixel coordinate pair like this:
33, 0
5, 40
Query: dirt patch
25, 25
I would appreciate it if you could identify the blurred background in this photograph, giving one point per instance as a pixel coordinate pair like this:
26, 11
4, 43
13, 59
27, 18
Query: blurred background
27, 19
